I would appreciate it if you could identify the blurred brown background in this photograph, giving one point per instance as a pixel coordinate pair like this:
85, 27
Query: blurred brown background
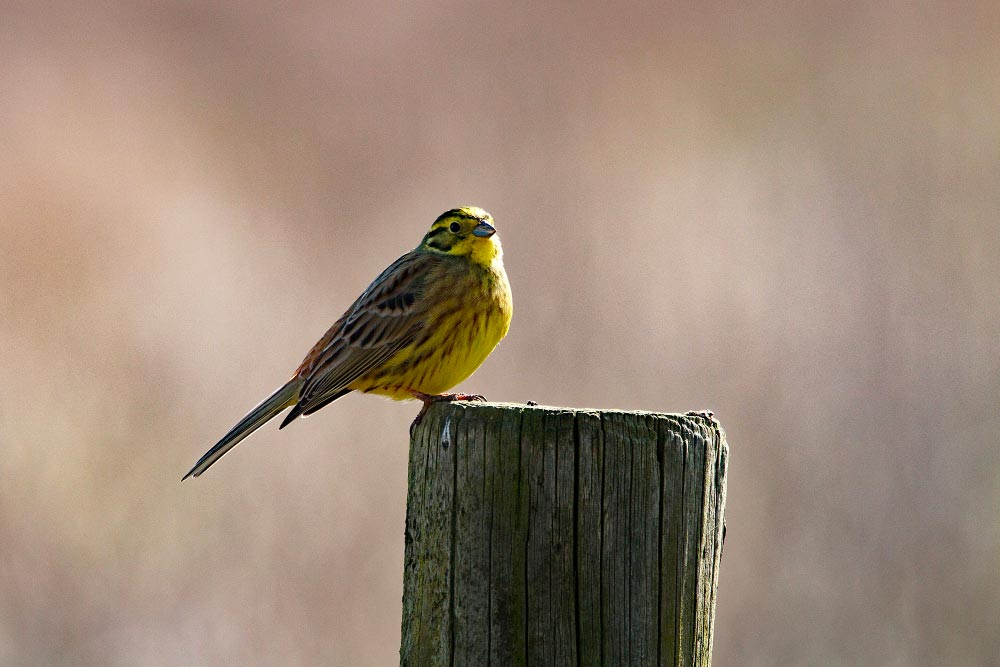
786, 214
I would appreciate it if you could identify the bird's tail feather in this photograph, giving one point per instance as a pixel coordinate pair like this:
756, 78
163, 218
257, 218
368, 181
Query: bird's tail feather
275, 403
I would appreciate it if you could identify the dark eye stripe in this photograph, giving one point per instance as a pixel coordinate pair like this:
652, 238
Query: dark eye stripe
454, 213
448, 214
434, 232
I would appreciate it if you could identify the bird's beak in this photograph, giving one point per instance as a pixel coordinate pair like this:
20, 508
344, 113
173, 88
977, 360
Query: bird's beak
484, 229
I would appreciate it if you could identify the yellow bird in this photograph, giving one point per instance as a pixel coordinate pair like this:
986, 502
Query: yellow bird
425, 324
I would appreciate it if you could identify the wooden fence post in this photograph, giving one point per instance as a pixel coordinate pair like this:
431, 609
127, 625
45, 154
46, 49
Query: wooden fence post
550, 536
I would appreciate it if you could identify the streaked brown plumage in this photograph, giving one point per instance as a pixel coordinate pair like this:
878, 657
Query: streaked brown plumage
423, 325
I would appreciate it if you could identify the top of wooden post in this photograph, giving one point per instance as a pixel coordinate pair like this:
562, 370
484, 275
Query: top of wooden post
705, 418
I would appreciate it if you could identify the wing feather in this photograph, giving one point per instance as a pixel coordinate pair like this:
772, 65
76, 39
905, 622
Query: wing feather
388, 316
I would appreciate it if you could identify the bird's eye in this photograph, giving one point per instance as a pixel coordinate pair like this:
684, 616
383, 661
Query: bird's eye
455, 228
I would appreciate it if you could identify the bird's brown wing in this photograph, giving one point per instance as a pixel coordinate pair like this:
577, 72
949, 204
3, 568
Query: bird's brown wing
387, 317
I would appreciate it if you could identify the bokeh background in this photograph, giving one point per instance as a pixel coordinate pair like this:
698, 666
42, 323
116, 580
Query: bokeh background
788, 214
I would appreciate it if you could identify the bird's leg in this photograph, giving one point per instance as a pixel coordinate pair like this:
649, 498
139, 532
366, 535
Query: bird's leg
430, 399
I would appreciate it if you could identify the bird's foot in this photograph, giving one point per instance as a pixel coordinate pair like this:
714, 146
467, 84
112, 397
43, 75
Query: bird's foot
431, 399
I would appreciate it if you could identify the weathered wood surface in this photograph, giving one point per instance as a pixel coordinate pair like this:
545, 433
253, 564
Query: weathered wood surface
550, 536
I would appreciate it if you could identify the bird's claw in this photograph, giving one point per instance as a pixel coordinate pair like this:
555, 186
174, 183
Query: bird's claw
466, 397
430, 399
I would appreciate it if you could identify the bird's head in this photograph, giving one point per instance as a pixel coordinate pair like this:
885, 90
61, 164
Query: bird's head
464, 231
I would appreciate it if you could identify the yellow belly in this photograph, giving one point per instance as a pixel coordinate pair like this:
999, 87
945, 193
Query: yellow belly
459, 345
460, 360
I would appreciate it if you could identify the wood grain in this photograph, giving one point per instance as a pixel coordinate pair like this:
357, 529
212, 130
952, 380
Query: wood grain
550, 536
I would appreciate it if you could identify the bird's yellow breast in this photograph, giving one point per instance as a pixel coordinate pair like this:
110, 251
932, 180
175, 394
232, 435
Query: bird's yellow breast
472, 318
